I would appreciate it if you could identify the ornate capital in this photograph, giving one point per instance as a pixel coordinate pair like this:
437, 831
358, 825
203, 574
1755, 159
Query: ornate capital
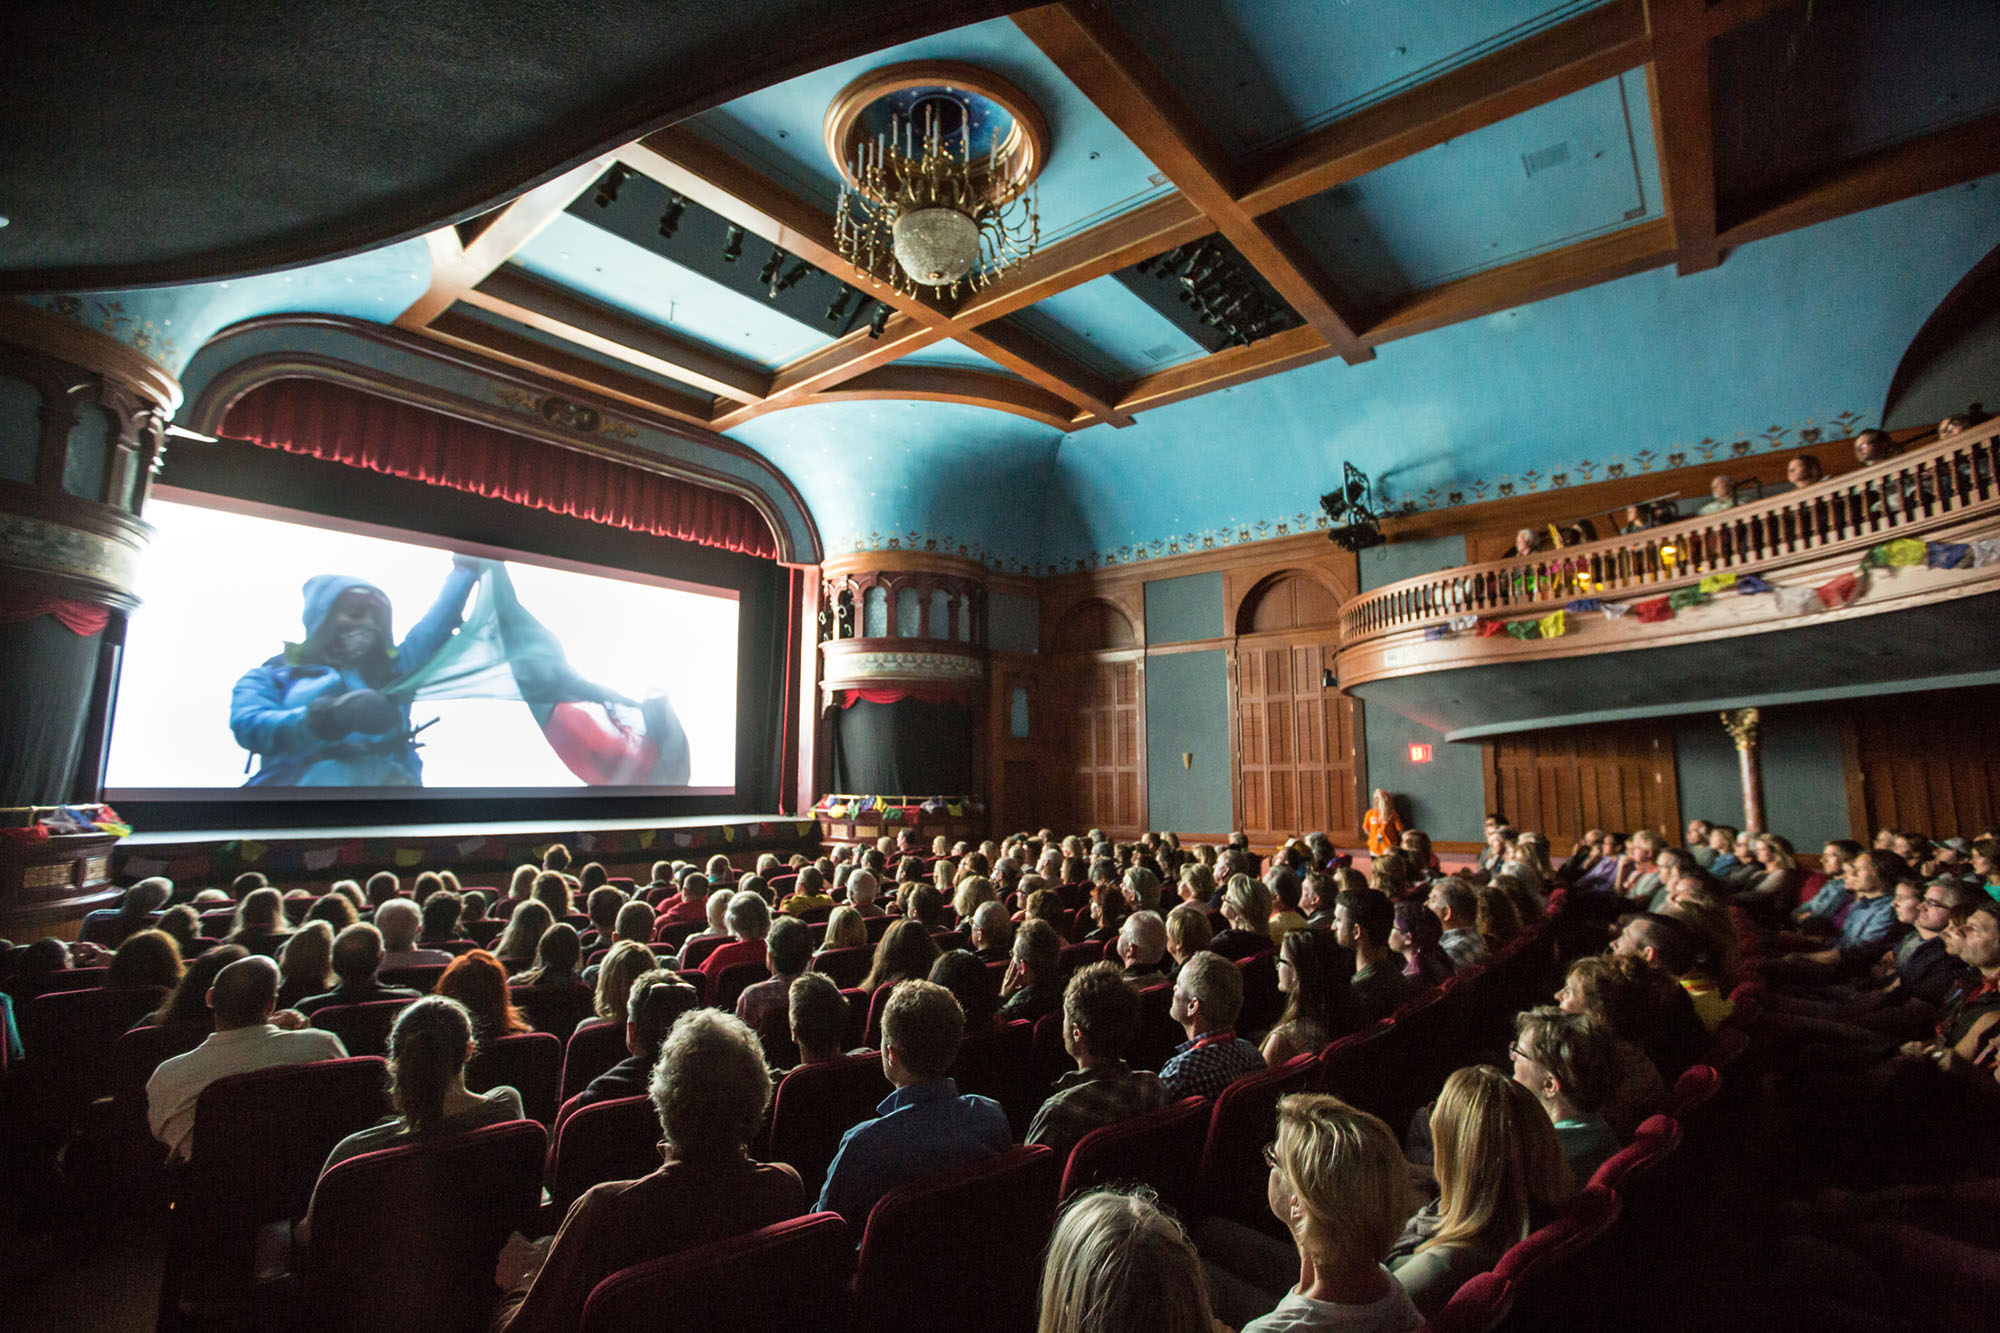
1741, 724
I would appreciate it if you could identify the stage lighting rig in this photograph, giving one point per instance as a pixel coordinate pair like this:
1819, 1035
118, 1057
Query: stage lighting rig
880, 322
1351, 510
732, 245
767, 277
610, 183
838, 310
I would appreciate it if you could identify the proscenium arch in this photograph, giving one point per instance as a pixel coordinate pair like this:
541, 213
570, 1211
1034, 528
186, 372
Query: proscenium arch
410, 369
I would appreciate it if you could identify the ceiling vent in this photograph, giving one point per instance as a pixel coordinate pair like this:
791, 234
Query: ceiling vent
1542, 159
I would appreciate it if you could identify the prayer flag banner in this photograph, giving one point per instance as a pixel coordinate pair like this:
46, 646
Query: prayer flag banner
1432, 633
1749, 583
1583, 606
1489, 628
1686, 597
1464, 622
1986, 551
1555, 625
1903, 553
1617, 610
409, 856
1797, 601
1654, 610
1948, 555
1717, 582
1525, 629
1839, 592
320, 858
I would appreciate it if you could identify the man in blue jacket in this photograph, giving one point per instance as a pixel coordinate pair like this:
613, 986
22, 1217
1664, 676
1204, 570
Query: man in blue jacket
316, 716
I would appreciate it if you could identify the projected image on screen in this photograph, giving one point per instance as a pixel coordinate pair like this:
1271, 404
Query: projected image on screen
272, 656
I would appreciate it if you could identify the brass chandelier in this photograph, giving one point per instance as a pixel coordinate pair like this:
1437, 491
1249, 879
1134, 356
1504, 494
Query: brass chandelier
920, 208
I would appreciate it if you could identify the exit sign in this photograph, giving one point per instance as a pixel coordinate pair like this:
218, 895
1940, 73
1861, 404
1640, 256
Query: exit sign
1419, 754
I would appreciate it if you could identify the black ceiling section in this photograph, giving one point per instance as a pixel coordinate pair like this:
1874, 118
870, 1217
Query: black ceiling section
1211, 293
646, 213
1808, 87
154, 145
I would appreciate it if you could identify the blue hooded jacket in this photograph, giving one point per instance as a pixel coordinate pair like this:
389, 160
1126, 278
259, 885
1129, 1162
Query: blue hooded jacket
267, 712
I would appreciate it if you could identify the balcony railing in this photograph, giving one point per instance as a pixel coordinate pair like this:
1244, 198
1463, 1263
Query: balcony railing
1936, 486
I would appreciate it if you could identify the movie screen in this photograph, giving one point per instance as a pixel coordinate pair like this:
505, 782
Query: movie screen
276, 654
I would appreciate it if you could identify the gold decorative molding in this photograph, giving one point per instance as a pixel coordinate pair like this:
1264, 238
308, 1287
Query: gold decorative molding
1741, 724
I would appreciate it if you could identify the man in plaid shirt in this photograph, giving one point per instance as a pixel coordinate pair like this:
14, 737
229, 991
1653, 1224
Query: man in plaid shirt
1100, 1016
1208, 995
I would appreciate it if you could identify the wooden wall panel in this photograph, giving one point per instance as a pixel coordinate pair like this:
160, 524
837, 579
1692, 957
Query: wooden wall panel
1563, 783
1920, 773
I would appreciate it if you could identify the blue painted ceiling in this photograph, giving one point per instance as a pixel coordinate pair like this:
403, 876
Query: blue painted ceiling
1797, 333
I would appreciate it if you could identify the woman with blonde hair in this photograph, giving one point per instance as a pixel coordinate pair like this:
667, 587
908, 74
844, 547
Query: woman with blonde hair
1500, 1173
1118, 1262
305, 964
522, 882
625, 964
1340, 1186
1382, 825
904, 953
844, 929
971, 892
1774, 890
518, 944
1246, 907
1188, 932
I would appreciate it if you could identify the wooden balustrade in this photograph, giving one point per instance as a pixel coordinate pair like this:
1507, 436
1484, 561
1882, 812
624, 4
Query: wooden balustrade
1942, 483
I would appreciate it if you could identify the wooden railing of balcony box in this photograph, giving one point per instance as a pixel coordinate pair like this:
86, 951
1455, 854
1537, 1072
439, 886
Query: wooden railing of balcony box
1939, 485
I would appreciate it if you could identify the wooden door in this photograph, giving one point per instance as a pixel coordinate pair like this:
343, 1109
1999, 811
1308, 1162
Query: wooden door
1105, 744
1563, 783
1298, 743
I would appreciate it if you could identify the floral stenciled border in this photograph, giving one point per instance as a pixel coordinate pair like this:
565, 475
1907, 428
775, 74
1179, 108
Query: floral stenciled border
1706, 450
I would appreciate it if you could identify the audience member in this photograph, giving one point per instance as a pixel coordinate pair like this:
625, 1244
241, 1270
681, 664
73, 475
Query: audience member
789, 947
1456, 907
515, 949
1118, 1262
478, 982
1246, 908
1417, 939
749, 922
925, 1125
711, 1090
1567, 1061
428, 1048
305, 964
992, 933
399, 921
653, 1004
145, 958
1101, 1013
357, 956
1313, 978
1363, 921
971, 984
1142, 948
1208, 997
625, 964
243, 998
904, 953
1032, 985
260, 923
818, 1015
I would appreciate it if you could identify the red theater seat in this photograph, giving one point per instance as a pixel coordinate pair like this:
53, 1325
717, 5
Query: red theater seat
847, 967
362, 1028
528, 1062
1531, 1287
816, 1104
591, 1049
732, 981
611, 1140
1233, 1174
985, 1225
555, 1009
1162, 1150
260, 1140
407, 1238
791, 1276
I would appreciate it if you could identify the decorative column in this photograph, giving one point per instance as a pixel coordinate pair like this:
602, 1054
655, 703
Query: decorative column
82, 417
1741, 724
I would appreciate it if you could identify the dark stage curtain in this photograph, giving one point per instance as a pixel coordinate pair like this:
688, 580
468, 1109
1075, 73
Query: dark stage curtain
343, 425
912, 747
49, 670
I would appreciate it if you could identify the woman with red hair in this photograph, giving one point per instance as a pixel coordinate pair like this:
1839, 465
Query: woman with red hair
478, 982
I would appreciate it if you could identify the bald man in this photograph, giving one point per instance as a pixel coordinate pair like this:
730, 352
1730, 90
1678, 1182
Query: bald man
247, 1036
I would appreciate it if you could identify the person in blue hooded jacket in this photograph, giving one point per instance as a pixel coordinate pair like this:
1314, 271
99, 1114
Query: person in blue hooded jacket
316, 716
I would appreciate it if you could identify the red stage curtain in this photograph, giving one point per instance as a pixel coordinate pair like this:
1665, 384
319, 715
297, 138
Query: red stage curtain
82, 618
935, 694
344, 425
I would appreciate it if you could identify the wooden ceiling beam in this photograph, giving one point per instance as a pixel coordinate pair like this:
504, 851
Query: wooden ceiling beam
956, 384
1096, 55
543, 305
1038, 363
1569, 57
1584, 264
1683, 128
1950, 157
1280, 352
463, 331
456, 268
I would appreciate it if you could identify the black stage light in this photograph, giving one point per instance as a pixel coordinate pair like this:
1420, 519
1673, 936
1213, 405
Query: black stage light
732, 245
768, 275
838, 310
609, 184
797, 271
670, 221
880, 322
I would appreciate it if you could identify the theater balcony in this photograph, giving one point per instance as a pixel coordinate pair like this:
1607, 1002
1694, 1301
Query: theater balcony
1881, 580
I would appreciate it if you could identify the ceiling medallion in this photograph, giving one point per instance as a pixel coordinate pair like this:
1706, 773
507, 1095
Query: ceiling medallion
938, 162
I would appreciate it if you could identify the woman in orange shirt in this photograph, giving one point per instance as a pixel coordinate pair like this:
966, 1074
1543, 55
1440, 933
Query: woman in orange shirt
1383, 828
